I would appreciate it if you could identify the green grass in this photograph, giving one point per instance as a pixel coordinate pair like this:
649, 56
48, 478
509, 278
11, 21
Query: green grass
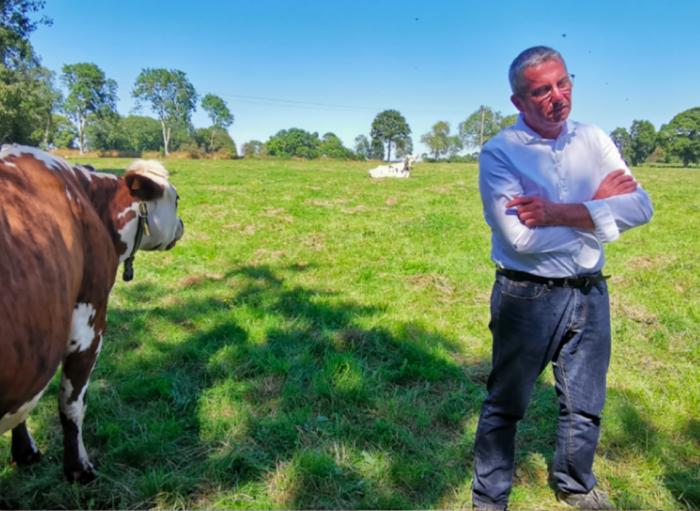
319, 340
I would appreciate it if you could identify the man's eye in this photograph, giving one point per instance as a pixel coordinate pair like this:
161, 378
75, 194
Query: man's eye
541, 91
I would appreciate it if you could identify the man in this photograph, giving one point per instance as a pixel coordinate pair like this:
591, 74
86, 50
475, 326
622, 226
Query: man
554, 191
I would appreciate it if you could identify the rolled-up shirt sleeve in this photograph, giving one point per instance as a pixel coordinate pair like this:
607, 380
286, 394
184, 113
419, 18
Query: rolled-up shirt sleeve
615, 215
497, 186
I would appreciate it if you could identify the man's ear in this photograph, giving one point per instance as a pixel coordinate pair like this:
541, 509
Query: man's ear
517, 102
142, 187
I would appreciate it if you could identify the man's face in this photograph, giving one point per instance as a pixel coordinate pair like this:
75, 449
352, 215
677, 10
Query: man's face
546, 100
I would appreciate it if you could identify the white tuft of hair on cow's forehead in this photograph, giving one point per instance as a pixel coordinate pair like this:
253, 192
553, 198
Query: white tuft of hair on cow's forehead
150, 168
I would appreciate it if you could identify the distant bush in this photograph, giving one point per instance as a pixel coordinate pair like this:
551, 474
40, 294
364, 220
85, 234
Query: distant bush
457, 158
294, 142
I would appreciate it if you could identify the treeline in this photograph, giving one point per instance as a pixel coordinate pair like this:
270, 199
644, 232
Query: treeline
390, 136
472, 133
677, 141
33, 110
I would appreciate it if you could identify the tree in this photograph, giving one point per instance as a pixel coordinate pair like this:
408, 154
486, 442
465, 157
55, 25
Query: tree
215, 139
404, 147
293, 142
105, 133
681, 136
28, 97
62, 133
623, 141
390, 128
480, 126
16, 24
90, 95
141, 134
362, 147
376, 149
171, 96
439, 140
508, 121
133, 134
218, 112
221, 117
332, 147
253, 149
642, 141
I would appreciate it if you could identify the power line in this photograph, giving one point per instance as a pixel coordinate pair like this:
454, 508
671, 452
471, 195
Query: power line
313, 105
294, 102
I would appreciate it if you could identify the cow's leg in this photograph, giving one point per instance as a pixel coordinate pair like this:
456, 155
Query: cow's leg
83, 347
24, 450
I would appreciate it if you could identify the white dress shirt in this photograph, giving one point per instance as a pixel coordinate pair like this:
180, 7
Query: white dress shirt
568, 169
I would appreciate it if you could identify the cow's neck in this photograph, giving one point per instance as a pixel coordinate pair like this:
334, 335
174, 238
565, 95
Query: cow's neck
117, 209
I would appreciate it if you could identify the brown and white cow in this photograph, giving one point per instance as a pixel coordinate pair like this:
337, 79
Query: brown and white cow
64, 230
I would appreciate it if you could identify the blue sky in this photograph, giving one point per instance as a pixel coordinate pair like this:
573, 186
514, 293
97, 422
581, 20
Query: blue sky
333, 65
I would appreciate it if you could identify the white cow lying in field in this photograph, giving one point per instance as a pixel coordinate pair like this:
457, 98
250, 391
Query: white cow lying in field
400, 170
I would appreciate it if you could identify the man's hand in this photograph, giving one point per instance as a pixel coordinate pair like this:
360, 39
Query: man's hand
536, 212
533, 211
615, 183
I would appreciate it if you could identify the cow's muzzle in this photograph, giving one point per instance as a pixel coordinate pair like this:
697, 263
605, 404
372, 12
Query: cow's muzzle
178, 235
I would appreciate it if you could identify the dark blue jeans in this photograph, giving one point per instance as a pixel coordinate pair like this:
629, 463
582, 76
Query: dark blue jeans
533, 324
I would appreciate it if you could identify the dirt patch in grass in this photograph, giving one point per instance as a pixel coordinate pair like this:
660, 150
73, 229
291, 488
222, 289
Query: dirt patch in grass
439, 284
360, 208
196, 280
632, 311
326, 203
248, 230
315, 242
278, 213
264, 255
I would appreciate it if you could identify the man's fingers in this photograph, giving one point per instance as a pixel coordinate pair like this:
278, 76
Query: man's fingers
624, 178
515, 201
519, 201
615, 177
615, 173
529, 218
627, 185
530, 221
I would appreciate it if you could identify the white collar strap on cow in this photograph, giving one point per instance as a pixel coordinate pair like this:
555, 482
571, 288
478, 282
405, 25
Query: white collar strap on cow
141, 227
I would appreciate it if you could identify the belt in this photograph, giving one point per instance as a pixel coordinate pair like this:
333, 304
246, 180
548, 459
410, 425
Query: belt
575, 282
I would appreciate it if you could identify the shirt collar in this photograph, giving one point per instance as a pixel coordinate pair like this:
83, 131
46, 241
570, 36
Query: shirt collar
528, 135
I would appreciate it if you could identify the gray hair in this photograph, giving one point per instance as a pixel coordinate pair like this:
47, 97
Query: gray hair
528, 58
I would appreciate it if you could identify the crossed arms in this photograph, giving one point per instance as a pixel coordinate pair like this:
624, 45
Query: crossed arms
534, 211
531, 224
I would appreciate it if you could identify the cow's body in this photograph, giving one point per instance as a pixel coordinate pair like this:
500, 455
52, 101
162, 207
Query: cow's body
64, 230
400, 170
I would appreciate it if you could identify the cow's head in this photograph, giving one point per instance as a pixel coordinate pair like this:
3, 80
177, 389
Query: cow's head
148, 182
409, 161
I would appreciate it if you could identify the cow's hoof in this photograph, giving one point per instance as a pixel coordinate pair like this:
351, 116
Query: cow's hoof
80, 475
25, 457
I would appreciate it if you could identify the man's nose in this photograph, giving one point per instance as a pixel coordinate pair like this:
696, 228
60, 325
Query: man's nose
557, 93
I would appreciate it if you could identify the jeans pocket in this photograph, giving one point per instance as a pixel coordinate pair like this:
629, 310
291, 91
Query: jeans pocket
524, 290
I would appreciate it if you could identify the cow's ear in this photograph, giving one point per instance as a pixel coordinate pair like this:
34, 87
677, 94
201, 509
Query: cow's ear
143, 187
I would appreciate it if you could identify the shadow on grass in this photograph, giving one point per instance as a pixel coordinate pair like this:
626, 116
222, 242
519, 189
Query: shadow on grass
250, 392
633, 435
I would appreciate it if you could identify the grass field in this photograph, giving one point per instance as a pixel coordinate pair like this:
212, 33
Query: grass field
318, 340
